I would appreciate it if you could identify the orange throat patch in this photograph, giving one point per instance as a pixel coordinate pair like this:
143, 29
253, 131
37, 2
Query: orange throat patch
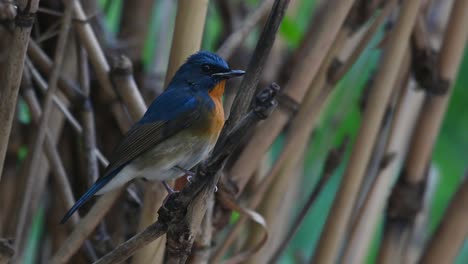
216, 95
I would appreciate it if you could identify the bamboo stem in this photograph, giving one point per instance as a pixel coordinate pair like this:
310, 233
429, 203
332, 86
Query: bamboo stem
434, 106
452, 231
407, 198
33, 183
10, 78
327, 25
335, 228
188, 33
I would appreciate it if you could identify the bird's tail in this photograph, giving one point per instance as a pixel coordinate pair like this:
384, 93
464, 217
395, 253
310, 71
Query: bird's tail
87, 195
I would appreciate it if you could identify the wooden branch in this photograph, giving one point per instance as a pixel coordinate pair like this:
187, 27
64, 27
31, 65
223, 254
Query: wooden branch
244, 97
10, 78
182, 213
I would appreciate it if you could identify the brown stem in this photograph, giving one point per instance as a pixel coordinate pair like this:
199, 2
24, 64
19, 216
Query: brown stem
188, 32
34, 184
329, 20
121, 76
335, 228
332, 162
10, 78
434, 106
449, 237
244, 97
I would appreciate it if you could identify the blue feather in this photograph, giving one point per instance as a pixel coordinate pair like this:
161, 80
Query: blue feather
88, 194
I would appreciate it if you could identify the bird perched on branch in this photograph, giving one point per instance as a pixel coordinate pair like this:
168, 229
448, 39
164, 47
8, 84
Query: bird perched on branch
178, 130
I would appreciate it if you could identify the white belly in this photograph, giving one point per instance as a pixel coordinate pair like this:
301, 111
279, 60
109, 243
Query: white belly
159, 163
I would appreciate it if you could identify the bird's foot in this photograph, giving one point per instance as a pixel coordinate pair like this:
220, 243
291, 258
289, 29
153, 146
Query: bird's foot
216, 189
168, 188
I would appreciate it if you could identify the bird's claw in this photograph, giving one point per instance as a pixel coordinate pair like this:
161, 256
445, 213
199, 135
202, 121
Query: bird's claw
168, 188
216, 189
189, 179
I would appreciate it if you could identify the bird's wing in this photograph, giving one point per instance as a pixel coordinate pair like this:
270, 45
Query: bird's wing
170, 113
156, 126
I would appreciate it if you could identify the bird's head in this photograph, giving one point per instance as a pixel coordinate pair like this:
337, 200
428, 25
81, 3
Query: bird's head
203, 70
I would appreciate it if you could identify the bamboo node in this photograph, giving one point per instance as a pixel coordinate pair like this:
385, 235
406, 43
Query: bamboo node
287, 103
24, 18
426, 72
406, 200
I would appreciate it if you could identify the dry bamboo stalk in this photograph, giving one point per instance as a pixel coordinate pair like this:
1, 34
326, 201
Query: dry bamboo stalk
11, 77
434, 106
452, 231
98, 60
373, 207
364, 41
333, 233
301, 128
418, 233
53, 156
62, 105
188, 32
427, 128
331, 17
380, 157
136, 18
87, 118
84, 228
33, 185
122, 77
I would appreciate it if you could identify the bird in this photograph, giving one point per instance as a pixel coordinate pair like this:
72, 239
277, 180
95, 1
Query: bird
178, 130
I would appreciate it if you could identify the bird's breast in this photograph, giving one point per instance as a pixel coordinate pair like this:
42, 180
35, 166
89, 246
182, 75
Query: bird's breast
213, 122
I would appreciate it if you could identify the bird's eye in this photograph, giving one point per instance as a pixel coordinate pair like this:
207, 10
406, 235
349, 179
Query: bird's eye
206, 68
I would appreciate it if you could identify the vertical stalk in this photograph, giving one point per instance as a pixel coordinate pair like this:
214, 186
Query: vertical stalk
10, 78
413, 176
335, 228
452, 231
188, 33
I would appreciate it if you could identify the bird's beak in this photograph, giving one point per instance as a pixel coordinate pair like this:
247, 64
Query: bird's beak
229, 74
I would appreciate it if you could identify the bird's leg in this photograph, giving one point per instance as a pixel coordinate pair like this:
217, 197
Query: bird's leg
168, 188
189, 173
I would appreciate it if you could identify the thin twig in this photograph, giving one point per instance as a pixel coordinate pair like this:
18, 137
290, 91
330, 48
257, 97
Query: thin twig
244, 96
